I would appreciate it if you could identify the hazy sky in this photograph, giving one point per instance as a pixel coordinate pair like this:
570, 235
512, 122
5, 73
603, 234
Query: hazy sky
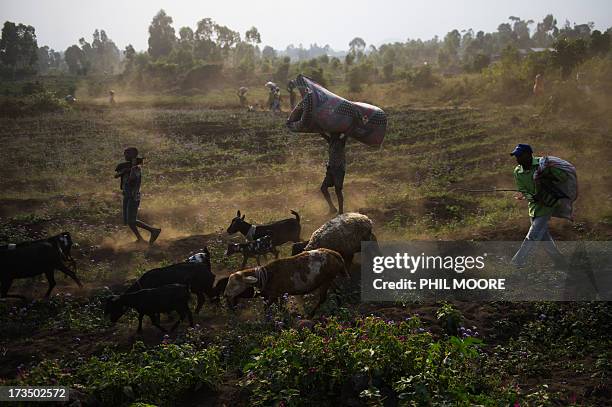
60, 23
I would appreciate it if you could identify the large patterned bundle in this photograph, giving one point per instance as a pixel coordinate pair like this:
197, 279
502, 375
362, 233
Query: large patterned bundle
323, 111
568, 188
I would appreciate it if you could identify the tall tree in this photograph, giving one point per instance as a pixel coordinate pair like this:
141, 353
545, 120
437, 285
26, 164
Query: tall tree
44, 59
186, 35
520, 30
252, 36
546, 31
74, 57
600, 43
357, 45
161, 35
130, 55
568, 53
18, 46
268, 53
106, 57
204, 46
452, 42
226, 37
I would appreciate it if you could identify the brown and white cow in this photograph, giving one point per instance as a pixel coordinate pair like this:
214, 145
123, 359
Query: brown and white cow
296, 275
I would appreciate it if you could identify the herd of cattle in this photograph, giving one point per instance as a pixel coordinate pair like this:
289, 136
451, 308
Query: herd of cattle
314, 265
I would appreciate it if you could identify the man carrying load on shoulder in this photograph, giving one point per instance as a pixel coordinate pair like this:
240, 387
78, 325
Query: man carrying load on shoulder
131, 178
549, 185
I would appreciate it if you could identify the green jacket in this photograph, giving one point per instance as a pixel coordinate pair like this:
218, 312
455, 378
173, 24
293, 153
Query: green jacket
526, 184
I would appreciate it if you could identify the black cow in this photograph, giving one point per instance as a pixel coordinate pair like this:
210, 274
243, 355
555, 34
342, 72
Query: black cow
152, 302
196, 273
282, 231
29, 259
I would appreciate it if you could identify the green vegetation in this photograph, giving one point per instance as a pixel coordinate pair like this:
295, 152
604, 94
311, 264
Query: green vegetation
456, 107
371, 359
523, 357
157, 375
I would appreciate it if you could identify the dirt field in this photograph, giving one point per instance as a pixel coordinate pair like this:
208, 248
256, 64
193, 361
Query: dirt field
201, 166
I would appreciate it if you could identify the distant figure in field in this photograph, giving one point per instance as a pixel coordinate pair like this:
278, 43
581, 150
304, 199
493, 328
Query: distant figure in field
111, 97
538, 86
276, 100
271, 93
242, 91
292, 96
131, 178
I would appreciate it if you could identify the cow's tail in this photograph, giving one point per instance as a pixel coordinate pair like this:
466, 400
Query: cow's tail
297, 215
343, 263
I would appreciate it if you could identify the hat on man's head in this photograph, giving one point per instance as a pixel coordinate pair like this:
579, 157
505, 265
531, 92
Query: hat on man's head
520, 149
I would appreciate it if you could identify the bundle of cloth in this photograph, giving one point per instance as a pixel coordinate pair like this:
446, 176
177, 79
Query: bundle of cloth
565, 192
321, 111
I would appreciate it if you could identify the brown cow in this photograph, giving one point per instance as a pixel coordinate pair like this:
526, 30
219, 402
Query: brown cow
296, 275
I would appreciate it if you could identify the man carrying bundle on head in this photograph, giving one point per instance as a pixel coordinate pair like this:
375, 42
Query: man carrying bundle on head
335, 119
550, 186
131, 178
335, 170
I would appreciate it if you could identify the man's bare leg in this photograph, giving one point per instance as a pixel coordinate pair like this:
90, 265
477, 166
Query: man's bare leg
340, 197
154, 231
134, 229
325, 192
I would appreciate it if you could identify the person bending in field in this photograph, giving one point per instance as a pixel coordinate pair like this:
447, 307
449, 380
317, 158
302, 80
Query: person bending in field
131, 178
336, 168
541, 190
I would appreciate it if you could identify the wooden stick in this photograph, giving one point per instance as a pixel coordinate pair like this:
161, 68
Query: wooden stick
486, 190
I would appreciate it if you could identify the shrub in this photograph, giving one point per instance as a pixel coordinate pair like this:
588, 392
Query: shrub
450, 317
158, 375
37, 103
423, 77
370, 357
388, 71
354, 79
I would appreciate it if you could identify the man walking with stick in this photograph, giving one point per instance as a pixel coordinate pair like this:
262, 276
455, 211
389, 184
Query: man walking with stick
549, 185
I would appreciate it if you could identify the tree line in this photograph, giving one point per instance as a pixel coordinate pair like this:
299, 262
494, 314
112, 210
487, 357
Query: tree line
211, 48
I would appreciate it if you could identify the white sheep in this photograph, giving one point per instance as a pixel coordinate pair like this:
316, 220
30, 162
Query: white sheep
344, 234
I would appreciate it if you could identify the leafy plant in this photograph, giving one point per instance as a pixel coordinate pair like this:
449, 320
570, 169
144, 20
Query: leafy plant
158, 375
370, 356
450, 317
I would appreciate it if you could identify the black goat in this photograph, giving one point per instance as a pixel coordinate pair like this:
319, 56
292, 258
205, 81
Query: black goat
282, 231
298, 247
256, 248
152, 302
196, 273
29, 259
